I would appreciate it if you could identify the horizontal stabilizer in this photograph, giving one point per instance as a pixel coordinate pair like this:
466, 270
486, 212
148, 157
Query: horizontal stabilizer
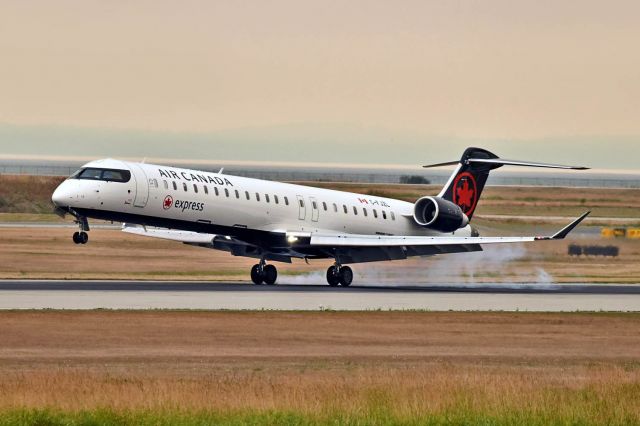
499, 162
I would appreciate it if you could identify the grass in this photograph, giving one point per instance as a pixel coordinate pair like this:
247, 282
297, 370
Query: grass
27, 194
576, 412
194, 368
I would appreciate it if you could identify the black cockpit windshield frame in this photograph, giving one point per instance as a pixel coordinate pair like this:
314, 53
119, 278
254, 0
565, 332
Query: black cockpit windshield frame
102, 174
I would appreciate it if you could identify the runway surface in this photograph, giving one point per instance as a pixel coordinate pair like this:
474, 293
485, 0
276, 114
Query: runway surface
238, 296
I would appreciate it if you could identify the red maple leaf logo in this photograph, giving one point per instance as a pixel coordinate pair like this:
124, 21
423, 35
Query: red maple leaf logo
168, 202
465, 195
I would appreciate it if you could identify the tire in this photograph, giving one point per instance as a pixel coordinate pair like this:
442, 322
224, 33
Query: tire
76, 237
346, 276
256, 276
332, 278
84, 238
270, 274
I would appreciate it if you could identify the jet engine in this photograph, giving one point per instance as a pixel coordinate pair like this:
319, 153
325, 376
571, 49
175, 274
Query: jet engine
439, 215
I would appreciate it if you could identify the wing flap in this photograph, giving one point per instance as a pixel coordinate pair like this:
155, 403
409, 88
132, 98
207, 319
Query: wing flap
186, 237
354, 240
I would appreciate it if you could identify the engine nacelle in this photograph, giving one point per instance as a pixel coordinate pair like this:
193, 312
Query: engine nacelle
438, 214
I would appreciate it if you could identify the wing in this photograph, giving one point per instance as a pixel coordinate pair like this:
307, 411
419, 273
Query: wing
213, 241
354, 240
350, 248
353, 248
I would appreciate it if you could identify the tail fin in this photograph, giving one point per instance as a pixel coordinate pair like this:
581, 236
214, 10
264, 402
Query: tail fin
468, 180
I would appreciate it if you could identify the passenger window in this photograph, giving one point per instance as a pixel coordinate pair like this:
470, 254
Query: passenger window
237, 194
266, 197
175, 186
375, 213
275, 198
257, 197
355, 211
384, 215
184, 185
315, 205
364, 211
286, 201
344, 208
335, 208
215, 189
195, 188
226, 192
166, 184
393, 216
206, 189
246, 194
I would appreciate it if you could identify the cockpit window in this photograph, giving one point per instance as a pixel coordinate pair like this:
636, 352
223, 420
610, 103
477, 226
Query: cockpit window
107, 175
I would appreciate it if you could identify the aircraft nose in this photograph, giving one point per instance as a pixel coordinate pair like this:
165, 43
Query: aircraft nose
62, 195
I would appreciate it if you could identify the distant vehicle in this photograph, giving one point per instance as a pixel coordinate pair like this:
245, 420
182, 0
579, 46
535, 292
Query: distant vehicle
272, 221
414, 180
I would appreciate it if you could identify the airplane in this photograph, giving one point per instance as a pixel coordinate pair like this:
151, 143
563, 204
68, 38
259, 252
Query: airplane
273, 221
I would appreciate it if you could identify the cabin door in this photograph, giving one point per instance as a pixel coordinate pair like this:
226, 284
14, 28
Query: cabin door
142, 186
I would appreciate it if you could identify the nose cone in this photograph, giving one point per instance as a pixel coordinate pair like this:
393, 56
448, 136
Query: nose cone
63, 195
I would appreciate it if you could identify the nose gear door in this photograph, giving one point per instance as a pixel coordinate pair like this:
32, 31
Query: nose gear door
142, 186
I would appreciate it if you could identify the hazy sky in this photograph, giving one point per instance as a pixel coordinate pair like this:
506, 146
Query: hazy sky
492, 70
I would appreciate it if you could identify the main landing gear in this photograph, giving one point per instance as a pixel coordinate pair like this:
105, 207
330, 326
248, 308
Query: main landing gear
80, 237
338, 274
263, 273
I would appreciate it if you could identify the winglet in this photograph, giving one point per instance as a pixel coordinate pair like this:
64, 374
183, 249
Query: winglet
560, 235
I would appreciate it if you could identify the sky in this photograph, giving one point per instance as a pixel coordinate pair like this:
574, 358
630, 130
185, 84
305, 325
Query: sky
358, 81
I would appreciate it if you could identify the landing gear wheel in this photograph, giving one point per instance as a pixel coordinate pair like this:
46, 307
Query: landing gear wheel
256, 275
346, 276
84, 238
270, 274
76, 238
332, 277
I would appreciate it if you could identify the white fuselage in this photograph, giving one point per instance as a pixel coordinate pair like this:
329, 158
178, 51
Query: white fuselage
180, 195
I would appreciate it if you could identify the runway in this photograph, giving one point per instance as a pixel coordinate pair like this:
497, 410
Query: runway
75, 295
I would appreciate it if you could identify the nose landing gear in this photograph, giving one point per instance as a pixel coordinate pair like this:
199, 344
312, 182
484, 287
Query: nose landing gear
81, 237
263, 273
338, 274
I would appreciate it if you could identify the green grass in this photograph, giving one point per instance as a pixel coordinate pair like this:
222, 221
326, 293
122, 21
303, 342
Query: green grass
376, 415
30, 217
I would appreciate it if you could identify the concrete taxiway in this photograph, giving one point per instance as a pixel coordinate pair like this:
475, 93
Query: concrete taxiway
235, 296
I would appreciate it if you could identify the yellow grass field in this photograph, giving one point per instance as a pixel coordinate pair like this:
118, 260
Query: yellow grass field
358, 368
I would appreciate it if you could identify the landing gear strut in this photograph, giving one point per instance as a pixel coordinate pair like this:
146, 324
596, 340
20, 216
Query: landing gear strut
81, 237
338, 274
263, 273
